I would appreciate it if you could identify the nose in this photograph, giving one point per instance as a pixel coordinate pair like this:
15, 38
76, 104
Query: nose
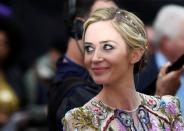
97, 56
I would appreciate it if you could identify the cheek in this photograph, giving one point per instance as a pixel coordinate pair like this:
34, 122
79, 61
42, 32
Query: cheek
181, 44
123, 63
87, 61
180, 49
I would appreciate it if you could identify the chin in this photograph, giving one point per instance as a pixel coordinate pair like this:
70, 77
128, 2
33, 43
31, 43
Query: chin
101, 81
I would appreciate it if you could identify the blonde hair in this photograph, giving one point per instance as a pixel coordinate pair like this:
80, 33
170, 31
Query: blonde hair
130, 27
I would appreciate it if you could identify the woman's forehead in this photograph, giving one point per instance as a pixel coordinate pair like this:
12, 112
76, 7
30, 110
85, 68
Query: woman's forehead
102, 31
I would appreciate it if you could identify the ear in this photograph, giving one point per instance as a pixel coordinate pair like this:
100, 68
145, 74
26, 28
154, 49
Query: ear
136, 55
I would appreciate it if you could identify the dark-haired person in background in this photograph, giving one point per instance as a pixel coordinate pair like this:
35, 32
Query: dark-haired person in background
72, 66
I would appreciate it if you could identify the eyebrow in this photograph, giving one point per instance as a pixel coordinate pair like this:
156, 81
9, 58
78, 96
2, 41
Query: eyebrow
88, 43
101, 42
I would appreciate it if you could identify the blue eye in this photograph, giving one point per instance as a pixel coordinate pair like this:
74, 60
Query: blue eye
89, 49
108, 47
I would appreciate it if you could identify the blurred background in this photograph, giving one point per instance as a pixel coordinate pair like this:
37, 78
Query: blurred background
32, 38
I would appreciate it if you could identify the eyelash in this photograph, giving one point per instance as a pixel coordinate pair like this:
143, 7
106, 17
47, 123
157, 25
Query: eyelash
108, 47
90, 49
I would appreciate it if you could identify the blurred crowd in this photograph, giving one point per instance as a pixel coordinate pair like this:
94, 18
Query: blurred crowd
27, 69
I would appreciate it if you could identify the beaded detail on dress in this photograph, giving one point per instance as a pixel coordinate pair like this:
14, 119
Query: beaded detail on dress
153, 114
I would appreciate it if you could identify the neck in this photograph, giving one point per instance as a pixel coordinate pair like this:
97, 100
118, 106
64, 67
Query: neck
121, 95
73, 52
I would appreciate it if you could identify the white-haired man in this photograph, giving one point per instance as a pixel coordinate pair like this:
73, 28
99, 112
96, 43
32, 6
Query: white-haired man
169, 38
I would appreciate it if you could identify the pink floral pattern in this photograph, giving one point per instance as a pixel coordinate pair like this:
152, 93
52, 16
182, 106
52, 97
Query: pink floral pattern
154, 114
171, 108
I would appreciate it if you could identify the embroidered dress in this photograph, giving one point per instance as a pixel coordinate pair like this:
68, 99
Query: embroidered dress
153, 114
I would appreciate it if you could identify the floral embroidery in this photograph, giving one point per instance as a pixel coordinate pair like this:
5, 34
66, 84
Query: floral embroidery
154, 125
99, 109
151, 102
125, 118
143, 117
178, 126
154, 114
162, 104
171, 108
83, 119
99, 112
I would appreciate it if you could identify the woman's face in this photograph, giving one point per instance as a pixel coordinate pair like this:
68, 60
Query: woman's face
106, 53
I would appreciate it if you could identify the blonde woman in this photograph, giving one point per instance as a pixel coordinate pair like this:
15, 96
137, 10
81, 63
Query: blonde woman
115, 45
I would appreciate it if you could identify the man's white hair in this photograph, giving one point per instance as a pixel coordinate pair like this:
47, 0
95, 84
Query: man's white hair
167, 22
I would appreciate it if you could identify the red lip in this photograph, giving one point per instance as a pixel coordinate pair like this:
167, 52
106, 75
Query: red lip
99, 70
